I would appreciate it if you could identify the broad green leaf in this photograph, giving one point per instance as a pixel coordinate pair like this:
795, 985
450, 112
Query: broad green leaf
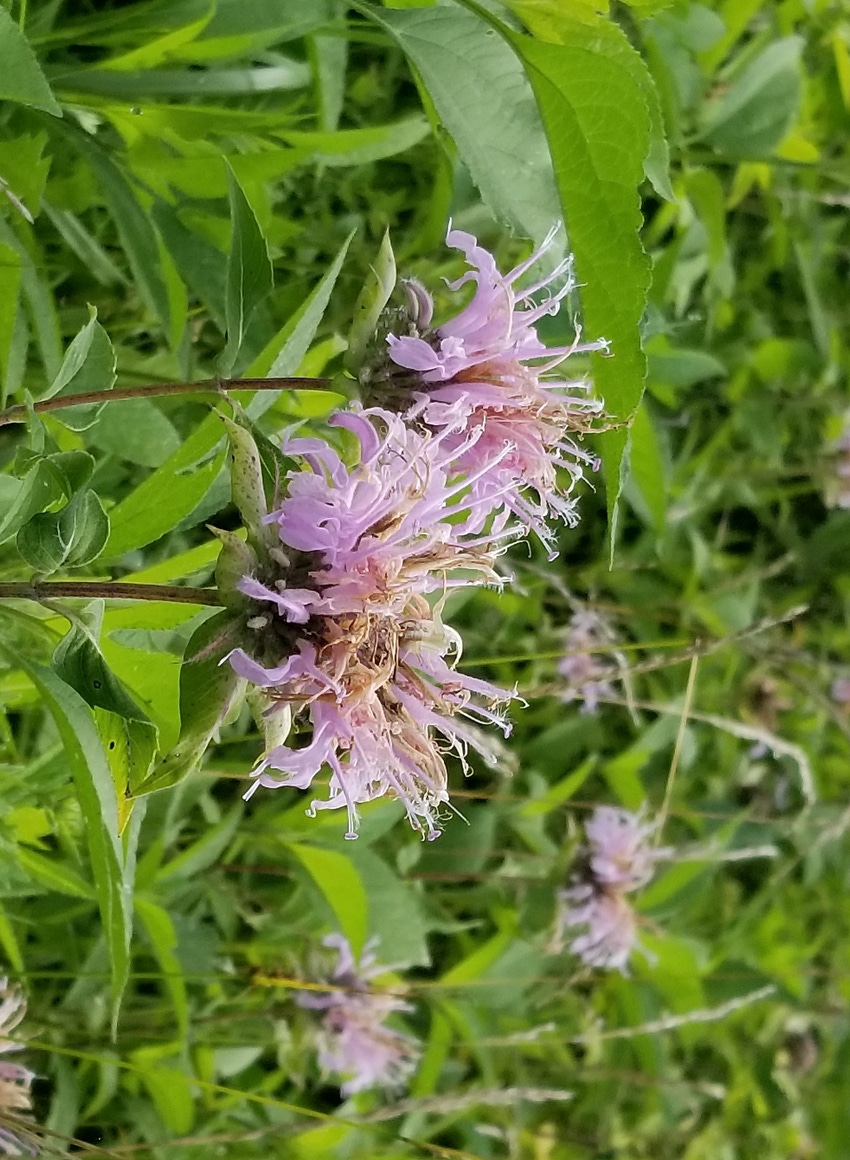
163, 938
22, 79
39, 487
136, 431
80, 663
249, 271
208, 692
88, 365
202, 266
24, 170
71, 537
484, 100
755, 111
590, 89
342, 887
396, 916
96, 793
170, 494
170, 1089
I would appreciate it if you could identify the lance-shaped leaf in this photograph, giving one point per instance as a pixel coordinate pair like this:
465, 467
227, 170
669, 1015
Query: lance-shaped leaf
249, 271
96, 792
129, 736
21, 78
379, 285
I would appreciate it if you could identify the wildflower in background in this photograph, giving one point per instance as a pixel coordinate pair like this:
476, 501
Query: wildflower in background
15, 1079
486, 372
346, 643
616, 860
840, 691
588, 676
354, 1041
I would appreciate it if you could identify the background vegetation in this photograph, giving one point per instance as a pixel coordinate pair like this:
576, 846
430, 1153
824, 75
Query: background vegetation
145, 262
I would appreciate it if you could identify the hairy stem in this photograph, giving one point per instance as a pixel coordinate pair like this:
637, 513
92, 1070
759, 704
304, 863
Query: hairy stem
41, 590
18, 413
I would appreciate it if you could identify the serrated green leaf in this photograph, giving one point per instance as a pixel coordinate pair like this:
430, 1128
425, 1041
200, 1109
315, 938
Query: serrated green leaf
22, 78
590, 91
249, 271
484, 100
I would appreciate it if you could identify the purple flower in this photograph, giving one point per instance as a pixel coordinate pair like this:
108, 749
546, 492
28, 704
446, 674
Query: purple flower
487, 372
610, 926
354, 1042
617, 860
15, 1080
840, 691
349, 645
587, 675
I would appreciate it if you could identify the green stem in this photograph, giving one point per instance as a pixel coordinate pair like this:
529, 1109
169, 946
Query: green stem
42, 590
19, 413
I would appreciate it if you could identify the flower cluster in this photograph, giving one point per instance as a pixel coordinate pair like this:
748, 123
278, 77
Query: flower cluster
616, 861
354, 1042
487, 371
367, 660
15, 1079
345, 637
588, 677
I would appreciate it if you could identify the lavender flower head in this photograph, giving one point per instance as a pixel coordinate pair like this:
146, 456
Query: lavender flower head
353, 1042
616, 860
588, 677
15, 1080
347, 644
487, 371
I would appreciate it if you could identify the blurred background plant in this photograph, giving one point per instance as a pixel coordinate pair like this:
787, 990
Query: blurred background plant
209, 202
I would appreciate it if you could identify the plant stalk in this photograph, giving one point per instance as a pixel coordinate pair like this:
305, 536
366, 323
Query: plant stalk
42, 590
19, 413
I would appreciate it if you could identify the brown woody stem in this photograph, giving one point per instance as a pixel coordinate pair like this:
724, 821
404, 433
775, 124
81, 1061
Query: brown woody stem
41, 590
19, 413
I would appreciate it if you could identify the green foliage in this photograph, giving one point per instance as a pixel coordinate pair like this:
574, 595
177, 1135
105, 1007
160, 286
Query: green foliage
191, 190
